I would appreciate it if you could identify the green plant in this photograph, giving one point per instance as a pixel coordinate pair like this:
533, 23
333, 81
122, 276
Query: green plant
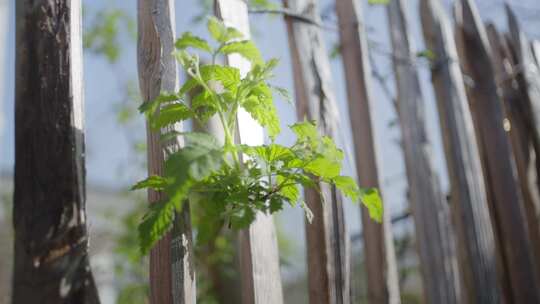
234, 181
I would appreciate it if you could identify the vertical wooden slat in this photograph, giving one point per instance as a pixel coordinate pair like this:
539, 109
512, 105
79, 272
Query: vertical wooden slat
535, 47
474, 233
519, 133
380, 259
172, 274
529, 76
4, 23
496, 155
259, 257
327, 239
430, 209
49, 217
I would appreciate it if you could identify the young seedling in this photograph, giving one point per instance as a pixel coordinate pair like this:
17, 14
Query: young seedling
233, 181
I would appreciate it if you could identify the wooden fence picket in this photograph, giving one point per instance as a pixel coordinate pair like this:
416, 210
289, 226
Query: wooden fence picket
380, 258
172, 273
474, 233
498, 164
434, 234
259, 257
327, 239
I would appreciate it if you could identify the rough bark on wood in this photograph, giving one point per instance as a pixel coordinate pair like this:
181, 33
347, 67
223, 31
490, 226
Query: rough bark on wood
380, 259
474, 232
172, 273
434, 234
259, 257
496, 156
519, 133
327, 238
49, 217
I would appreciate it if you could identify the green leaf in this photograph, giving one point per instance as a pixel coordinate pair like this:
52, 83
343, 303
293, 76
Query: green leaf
170, 114
289, 190
283, 93
246, 49
242, 218
372, 200
220, 32
269, 153
189, 40
348, 186
324, 168
305, 130
155, 224
153, 182
260, 106
375, 2
150, 107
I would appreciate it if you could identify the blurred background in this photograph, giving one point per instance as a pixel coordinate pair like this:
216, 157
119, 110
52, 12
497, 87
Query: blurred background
115, 144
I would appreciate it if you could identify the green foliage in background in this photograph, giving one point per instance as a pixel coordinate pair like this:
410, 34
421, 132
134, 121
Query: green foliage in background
212, 174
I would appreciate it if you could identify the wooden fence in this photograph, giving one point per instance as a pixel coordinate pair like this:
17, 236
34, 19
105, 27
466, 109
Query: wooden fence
478, 244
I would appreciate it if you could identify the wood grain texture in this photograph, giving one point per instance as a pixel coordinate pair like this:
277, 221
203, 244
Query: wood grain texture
496, 156
380, 259
474, 232
259, 256
49, 217
172, 274
434, 234
327, 239
520, 134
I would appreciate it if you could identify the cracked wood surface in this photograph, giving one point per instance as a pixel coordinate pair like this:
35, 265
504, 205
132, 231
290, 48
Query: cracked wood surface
172, 273
51, 236
474, 232
326, 237
434, 234
259, 256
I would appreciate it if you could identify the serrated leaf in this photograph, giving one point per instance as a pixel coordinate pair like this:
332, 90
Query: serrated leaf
260, 106
323, 168
204, 140
246, 49
289, 190
220, 32
153, 182
372, 200
189, 40
150, 107
305, 130
169, 136
155, 224
329, 149
242, 218
347, 185
269, 153
283, 93
170, 114
275, 204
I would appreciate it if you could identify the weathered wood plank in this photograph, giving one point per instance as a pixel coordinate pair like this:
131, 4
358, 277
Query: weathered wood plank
4, 19
535, 47
498, 164
519, 133
327, 239
529, 76
434, 234
259, 256
172, 274
380, 259
51, 236
474, 232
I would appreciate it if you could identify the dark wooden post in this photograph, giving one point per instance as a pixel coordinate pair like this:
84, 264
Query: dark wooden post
430, 209
496, 156
259, 257
474, 233
49, 217
327, 239
519, 132
172, 276
380, 259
